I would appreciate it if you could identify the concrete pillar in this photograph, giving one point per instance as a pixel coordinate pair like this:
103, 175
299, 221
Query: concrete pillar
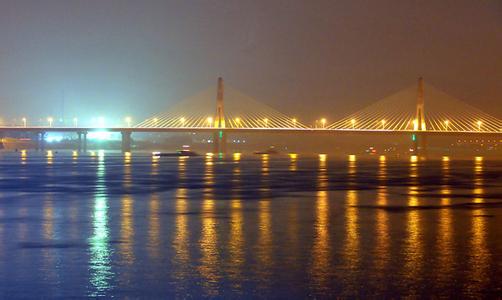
82, 141
420, 144
85, 142
126, 141
219, 141
79, 141
41, 141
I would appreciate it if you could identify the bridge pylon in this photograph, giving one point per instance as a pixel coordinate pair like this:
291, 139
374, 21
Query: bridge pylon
219, 135
420, 139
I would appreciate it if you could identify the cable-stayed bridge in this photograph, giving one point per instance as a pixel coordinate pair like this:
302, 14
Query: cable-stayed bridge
421, 110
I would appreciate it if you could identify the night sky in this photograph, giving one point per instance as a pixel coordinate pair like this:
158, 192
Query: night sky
305, 58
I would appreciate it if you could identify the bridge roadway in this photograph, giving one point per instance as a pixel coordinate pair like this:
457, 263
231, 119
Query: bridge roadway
127, 131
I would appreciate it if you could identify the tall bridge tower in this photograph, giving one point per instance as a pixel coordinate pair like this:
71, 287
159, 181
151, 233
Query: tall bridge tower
219, 136
419, 138
420, 119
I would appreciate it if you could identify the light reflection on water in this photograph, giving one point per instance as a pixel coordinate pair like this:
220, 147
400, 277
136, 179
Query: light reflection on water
479, 255
382, 235
240, 225
100, 255
413, 242
445, 243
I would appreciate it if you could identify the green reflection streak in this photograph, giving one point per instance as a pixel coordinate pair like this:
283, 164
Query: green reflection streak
99, 265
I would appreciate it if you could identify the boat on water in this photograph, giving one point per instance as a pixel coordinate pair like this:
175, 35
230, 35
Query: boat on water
270, 150
184, 152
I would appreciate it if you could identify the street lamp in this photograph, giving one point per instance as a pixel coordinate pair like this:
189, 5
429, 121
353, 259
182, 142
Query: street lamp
446, 123
294, 122
479, 125
266, 122
50, 120
238, 121
182, 120
210, 121
75, 122
353, 122
24, 122
383, 124
323, 122
155, 121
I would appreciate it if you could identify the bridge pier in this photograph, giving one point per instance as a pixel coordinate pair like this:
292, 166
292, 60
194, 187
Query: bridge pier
420, 144
219, 141
82, 141
126, 141
41, 141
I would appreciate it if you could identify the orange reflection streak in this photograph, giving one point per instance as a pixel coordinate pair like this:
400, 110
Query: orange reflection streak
155, 165
445, 243
413, 248
180, 242
209, 240
322, 177
265, 164
321, 249
264, 246
182, 166
127, 170
292, 232
236, 243
265, 172
293, 162
352, 169
264, 225
49, 155
127, 229
382, 247
351, 249
154, 226
479, 255
24, 155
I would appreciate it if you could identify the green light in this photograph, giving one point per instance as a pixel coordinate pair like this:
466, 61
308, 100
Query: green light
221, 134
413, 137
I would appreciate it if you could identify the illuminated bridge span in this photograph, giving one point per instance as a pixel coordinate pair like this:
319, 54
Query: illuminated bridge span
419, 110
239, 111
407, 110
404, 111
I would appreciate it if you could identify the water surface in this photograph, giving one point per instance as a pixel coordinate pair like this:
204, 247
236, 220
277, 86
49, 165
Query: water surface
105, 224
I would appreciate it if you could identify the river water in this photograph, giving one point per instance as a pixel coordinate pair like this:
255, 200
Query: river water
108, 224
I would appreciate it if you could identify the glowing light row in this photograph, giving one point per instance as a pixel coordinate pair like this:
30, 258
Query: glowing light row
50, 121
